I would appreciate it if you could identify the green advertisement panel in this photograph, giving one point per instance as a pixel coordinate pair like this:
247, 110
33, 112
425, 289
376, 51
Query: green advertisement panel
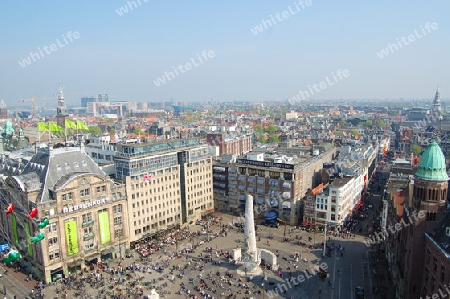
14, 230
71, 237
30, 245
103, 221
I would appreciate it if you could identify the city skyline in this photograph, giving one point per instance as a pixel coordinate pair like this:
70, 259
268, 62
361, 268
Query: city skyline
257, 51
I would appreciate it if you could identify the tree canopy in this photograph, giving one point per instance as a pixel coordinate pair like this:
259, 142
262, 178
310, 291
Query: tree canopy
416, 149
95, 130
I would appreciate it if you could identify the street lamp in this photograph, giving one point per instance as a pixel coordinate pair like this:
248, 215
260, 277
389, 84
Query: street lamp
262, 284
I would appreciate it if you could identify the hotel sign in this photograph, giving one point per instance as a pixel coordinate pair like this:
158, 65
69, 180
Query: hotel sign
84, 206
265, 164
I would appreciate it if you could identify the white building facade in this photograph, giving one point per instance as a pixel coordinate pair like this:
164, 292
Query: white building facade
339, 200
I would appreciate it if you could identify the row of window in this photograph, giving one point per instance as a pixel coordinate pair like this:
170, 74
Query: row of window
172, 210
134, 205
137, 194
101, 156
84, 192
156, 181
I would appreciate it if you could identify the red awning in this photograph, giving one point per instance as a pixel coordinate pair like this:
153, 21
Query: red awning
305, 223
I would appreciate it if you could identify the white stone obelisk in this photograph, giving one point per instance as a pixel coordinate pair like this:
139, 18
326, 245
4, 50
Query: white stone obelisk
249, 229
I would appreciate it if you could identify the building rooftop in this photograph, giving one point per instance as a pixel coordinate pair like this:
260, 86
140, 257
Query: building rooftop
340, 182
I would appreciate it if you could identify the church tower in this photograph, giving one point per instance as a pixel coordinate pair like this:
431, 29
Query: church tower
437, 102
61, 111
429, 198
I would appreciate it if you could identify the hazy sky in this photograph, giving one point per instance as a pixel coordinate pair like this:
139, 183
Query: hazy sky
124, 55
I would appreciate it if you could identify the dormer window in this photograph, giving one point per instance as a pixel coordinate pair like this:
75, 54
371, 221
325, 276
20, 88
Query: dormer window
447, 231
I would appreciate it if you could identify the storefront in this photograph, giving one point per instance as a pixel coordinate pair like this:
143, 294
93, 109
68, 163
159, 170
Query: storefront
56, 274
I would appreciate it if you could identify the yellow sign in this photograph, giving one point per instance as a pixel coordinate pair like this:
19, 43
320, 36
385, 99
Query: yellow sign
71, 237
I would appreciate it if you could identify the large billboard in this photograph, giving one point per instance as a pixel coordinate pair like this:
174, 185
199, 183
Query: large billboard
71, 237
103, 222
14, 230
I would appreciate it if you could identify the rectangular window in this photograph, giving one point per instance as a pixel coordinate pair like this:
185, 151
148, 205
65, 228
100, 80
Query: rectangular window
53, 255
67, 196
84, 192
86, 217
89, 244
118, 233
52, 241
52, 227
117, 220
117, 209
101, 189
88, 230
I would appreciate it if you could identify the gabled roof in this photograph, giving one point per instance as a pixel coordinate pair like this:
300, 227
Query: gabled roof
56, 164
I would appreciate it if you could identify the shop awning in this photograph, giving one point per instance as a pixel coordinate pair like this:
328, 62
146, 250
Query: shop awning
271, 215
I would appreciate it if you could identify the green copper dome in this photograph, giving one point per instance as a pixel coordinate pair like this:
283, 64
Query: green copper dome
432, 164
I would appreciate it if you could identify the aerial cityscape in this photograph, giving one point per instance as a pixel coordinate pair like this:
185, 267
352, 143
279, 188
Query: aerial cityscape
203, 150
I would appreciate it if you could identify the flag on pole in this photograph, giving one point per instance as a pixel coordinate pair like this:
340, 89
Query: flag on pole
70, 124
42, 126
54, 127
81, 126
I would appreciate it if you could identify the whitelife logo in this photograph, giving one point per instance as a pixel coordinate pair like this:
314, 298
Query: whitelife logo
130, 5
187, 67
391, 48
69, 37
280, 17
341, 74
381, 236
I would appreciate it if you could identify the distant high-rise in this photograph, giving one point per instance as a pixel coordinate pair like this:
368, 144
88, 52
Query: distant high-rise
102, 97
3, 110
86, 100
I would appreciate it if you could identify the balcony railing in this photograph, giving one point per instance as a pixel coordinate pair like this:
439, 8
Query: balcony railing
88, 223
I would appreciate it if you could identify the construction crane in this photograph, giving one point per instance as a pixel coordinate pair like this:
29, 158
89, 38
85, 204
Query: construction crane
34, 99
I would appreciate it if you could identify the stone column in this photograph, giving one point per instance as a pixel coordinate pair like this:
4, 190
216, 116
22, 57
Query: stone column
249, 229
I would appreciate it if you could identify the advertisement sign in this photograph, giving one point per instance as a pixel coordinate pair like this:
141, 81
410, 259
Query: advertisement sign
103, 222
265, 163
71, 237
14, 230
30, 245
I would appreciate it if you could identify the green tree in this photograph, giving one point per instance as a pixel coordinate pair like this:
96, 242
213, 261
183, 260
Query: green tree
381, 123
95, 130
367, 123
271, 129
343, 122
416, 149
338, 133
273, 139
138, 131
111, 130
354, 132
258, 129
262, 138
